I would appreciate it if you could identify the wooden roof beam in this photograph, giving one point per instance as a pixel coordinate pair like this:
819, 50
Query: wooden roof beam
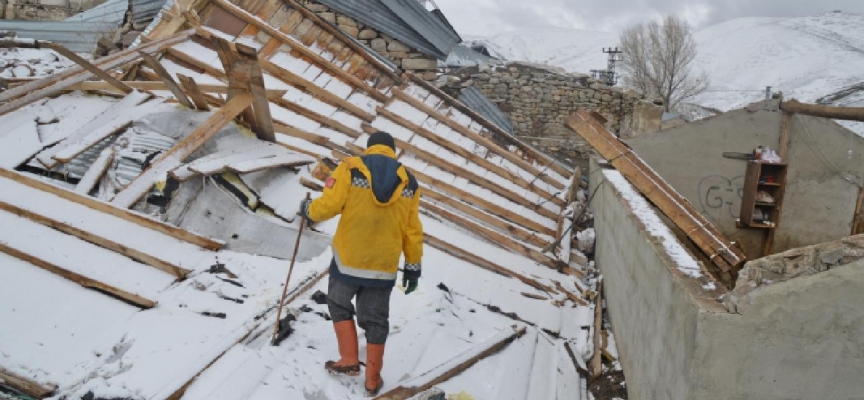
815, 110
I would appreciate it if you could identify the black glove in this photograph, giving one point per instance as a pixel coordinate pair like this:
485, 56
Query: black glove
304, 211
411, 277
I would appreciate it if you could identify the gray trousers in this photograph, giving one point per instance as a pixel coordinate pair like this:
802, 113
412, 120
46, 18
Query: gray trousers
373, 308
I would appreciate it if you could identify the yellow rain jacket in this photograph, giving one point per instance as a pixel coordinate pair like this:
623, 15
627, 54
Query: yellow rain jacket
379, 201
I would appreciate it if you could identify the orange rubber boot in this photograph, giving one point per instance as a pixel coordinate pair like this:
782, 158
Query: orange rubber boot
374, 364
349, 362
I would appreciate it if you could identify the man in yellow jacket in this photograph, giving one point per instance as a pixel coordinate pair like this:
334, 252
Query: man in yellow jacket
379, 200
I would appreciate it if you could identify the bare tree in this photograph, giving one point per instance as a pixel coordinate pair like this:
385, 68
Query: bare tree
658, 58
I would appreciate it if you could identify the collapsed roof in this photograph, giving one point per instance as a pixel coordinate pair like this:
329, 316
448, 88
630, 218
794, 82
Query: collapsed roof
211, 127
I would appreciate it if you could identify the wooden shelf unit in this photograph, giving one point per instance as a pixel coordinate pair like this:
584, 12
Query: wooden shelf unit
767, 177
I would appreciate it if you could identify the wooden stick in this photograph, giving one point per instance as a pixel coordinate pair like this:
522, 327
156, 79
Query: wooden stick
260, 105
290, 271
238, 71
163, 74
195, 92
25, 385
844, 113
174, 157
858, 224
785, 135
77, 278
106, 208
483, 350
107, 243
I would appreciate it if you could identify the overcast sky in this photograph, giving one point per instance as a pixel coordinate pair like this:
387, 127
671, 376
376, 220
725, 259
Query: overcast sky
490, 17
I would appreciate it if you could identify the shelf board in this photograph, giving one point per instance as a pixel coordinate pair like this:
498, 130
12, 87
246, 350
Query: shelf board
772, 184
741, 225
761, 204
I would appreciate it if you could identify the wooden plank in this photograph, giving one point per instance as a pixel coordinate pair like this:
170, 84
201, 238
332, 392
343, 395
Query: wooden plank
858, 223
596, 361
475, 179
468, 155
194, 91
25, 385
314, 90
297, 46
481, 262
300, 134
400, 94
501, 240
489, 219
488, 125
95, 172
100, 241
77, 278
380, 66
252, 149
437, 376
163, 74
722, 252
174, 157
27, 94
238, 69
815, 110
118, 109
98, 72
106, 208
220, 164
785, 135
260, 105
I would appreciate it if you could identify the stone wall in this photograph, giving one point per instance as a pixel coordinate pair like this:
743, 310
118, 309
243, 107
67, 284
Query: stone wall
402, 55
539, 99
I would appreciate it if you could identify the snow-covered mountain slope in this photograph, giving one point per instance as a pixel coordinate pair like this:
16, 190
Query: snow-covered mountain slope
571, 49
818, 58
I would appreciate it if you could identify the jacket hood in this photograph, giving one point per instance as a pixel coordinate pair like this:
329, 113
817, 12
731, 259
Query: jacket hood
387, 175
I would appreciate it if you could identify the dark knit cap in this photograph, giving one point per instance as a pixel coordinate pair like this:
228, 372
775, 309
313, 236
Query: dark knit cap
381, 137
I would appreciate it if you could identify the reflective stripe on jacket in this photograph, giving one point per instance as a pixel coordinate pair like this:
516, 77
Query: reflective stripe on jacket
379, 201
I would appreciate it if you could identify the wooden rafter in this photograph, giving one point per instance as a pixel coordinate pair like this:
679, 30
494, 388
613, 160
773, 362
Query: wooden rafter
488, 125
156, 85
833, 112
161, 227
408, 390
299, 47
96, 171
100, 241
238, 69
78, 278
493, 147
98, 72
727, 256
169, 81
194, 91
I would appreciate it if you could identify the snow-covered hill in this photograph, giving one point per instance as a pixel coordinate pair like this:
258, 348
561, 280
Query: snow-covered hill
819, 58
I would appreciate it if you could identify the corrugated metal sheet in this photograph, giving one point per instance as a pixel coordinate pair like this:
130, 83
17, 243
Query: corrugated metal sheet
110, 13
474, 99
377, 15
464, 56
428, 24
79, 37
144, 11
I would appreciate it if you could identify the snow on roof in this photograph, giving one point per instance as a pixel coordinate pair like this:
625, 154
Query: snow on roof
191, 316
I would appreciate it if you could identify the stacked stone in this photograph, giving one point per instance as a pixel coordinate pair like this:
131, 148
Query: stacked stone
402, 55
120, 39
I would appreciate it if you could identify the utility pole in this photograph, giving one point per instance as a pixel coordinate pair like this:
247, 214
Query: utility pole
610, 74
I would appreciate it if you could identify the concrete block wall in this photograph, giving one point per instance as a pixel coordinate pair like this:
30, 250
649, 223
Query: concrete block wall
802, 338
405, 57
